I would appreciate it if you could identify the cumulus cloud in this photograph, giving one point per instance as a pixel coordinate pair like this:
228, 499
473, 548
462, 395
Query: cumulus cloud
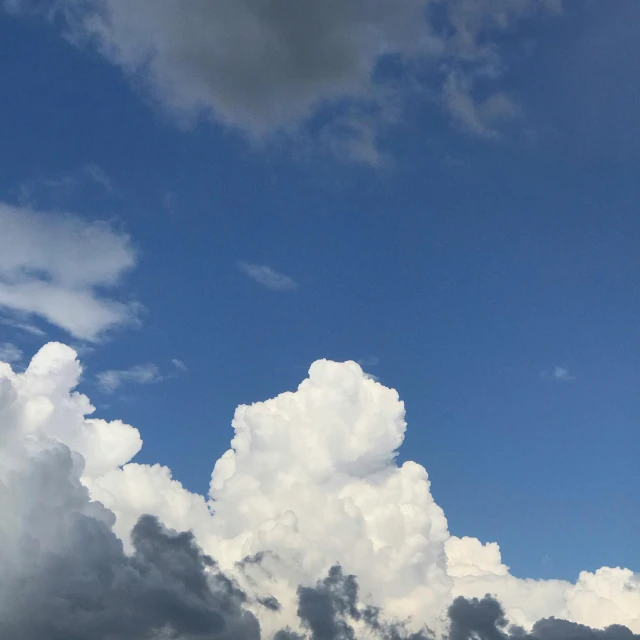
310, 482
268, 277
66, 575
56, 267
110, 380
271, 66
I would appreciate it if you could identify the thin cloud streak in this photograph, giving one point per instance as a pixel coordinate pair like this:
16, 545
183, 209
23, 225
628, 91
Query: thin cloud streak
268, 277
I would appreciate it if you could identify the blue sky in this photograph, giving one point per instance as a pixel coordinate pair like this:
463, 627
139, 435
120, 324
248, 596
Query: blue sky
491, 276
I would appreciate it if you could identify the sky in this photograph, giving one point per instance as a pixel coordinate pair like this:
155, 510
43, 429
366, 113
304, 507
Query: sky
202, 200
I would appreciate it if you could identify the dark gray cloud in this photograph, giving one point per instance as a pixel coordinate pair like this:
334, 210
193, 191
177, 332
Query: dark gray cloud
474, 619
331, 609
66, 576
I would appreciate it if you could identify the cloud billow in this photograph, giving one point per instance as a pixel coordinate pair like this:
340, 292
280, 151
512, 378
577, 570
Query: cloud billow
311, 530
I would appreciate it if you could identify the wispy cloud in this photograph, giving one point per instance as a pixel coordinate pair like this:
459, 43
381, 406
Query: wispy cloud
558, 374
10, 353
109, 381
22, 325
179, 365
61, 188
141, 374
268, 277
100, 176
561, 374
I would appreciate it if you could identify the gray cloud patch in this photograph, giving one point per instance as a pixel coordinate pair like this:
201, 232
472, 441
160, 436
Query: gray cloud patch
268, 66
66, 576
330, 610
474, 619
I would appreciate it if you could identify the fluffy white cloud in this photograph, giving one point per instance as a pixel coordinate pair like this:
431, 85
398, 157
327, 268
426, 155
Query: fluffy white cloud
268, 277
270, 65
56, 266
310, 480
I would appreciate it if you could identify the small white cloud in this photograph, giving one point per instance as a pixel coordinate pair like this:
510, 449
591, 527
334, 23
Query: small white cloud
558, 374
10, 353
268, 277
110, 380
561, 374
57, 266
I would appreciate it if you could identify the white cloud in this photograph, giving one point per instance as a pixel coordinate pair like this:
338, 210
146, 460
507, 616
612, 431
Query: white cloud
10, 353
109, 381
310, 480
558, 374
179, 365
268, 277
56, 266
270, 66
561, 374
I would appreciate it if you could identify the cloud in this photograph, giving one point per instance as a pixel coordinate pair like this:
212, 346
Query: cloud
62, 188
310, 480
482, 118
484, 619
66, 575
268, 67
109, 381
268, 277
23, 326
56, 266
370, 361
561, 374
99, 175
149, 373
558, 374
179, 365
10, 353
